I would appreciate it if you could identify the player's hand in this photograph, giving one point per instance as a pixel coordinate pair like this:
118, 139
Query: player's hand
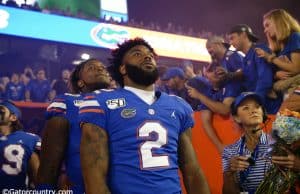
239, 163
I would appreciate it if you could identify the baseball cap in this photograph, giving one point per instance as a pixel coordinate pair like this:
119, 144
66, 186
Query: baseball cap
243, 96
217, 40
11, 107
244, 28
173, 72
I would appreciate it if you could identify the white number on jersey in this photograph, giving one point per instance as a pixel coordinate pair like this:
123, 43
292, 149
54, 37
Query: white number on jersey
147, 158
13, 154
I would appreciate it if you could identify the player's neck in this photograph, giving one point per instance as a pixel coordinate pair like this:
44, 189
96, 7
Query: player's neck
138, 86
147, 96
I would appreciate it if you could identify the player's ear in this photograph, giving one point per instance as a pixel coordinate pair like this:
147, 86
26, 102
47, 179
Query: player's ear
122, 69
80, 83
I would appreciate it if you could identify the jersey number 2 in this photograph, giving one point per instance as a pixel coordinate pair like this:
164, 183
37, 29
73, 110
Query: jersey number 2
148, 160
14, 155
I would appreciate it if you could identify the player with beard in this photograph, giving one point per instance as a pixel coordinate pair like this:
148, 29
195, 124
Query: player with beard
62, 133
134, 139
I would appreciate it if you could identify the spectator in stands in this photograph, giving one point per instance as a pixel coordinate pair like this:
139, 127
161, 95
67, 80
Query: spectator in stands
25, 5
215, 96
160, 85
61, 86
175, 80
11, 3
257, 74
3, 82
24, 79
29, 72
15, 90
283, 34
19, 150
245, 162
230, 60
38, 89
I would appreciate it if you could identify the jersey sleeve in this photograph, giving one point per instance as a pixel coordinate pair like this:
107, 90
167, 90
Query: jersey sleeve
57, 107
37, 144
295, 42
235, 62
91, 110
34, 142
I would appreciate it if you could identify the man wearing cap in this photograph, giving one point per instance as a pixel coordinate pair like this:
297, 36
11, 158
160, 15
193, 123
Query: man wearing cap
18, 149
257, 74
230, 60
175, 80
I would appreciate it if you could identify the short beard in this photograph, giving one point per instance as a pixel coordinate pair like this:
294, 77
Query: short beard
140, 76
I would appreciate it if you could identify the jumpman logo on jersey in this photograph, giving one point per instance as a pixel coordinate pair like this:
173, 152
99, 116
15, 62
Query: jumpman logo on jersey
173, 114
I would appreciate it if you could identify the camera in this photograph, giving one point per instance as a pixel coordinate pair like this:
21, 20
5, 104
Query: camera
251, 160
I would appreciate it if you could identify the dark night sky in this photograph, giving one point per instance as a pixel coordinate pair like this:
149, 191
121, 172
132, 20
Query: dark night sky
216, 16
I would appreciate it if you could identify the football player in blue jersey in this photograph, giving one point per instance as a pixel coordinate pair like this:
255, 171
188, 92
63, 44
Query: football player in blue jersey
134, 140
18, 150
62, 133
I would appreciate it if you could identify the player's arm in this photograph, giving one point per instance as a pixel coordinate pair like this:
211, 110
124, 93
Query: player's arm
193, 177
34, 163
94, 158
55, 140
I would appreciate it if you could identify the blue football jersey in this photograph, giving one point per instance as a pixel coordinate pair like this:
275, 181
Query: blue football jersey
15, 152
67, 106
143, 139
